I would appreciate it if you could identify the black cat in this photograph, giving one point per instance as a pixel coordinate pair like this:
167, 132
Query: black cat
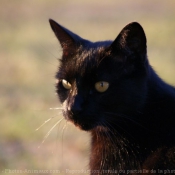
109, 89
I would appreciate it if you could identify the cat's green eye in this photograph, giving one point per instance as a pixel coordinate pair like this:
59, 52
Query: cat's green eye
101, 86
66, 84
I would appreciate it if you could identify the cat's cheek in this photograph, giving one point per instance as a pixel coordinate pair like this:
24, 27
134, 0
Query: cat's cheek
66, 112
64, 104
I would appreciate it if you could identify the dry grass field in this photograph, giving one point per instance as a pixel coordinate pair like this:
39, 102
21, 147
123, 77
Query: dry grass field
29, 55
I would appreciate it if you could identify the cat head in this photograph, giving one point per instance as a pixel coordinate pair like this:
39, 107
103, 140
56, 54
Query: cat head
98, 82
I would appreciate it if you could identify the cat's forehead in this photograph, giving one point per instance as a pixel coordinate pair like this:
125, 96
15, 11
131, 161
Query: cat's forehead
84, 63
89, 58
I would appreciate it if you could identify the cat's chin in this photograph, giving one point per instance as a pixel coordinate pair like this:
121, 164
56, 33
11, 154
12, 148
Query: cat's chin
86, 123
91, 127
85, 127
83, 124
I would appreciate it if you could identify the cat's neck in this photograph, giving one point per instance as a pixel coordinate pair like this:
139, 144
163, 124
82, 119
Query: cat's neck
112, 152
158, 88
160, 104
158, 112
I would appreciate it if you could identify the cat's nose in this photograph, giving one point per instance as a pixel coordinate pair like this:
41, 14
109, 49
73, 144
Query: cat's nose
76, 106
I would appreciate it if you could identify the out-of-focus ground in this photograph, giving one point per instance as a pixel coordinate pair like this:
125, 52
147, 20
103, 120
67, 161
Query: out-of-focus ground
29, 55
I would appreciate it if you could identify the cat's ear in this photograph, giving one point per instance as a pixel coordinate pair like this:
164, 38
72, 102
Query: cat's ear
69, 41
131, 40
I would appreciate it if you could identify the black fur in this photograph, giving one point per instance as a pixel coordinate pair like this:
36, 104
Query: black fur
132, 123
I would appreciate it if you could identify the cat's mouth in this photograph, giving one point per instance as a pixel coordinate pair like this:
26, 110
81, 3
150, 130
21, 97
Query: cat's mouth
84, 126
90, 126
83, 122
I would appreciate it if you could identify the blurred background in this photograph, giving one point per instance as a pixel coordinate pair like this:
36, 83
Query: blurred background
29, 55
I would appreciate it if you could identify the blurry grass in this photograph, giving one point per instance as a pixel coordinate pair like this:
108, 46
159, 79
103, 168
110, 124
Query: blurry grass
28, 62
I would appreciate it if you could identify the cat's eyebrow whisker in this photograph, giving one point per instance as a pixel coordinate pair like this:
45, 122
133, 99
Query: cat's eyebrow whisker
43, 48
45, 137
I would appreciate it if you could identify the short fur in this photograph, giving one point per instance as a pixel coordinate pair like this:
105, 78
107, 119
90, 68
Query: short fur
132, 122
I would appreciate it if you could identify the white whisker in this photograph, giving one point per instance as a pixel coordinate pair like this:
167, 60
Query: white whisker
46, 122
45, 137
62, 146
63, 132
55, 108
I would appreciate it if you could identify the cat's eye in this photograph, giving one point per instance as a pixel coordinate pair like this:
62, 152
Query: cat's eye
101, 86
66, 84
